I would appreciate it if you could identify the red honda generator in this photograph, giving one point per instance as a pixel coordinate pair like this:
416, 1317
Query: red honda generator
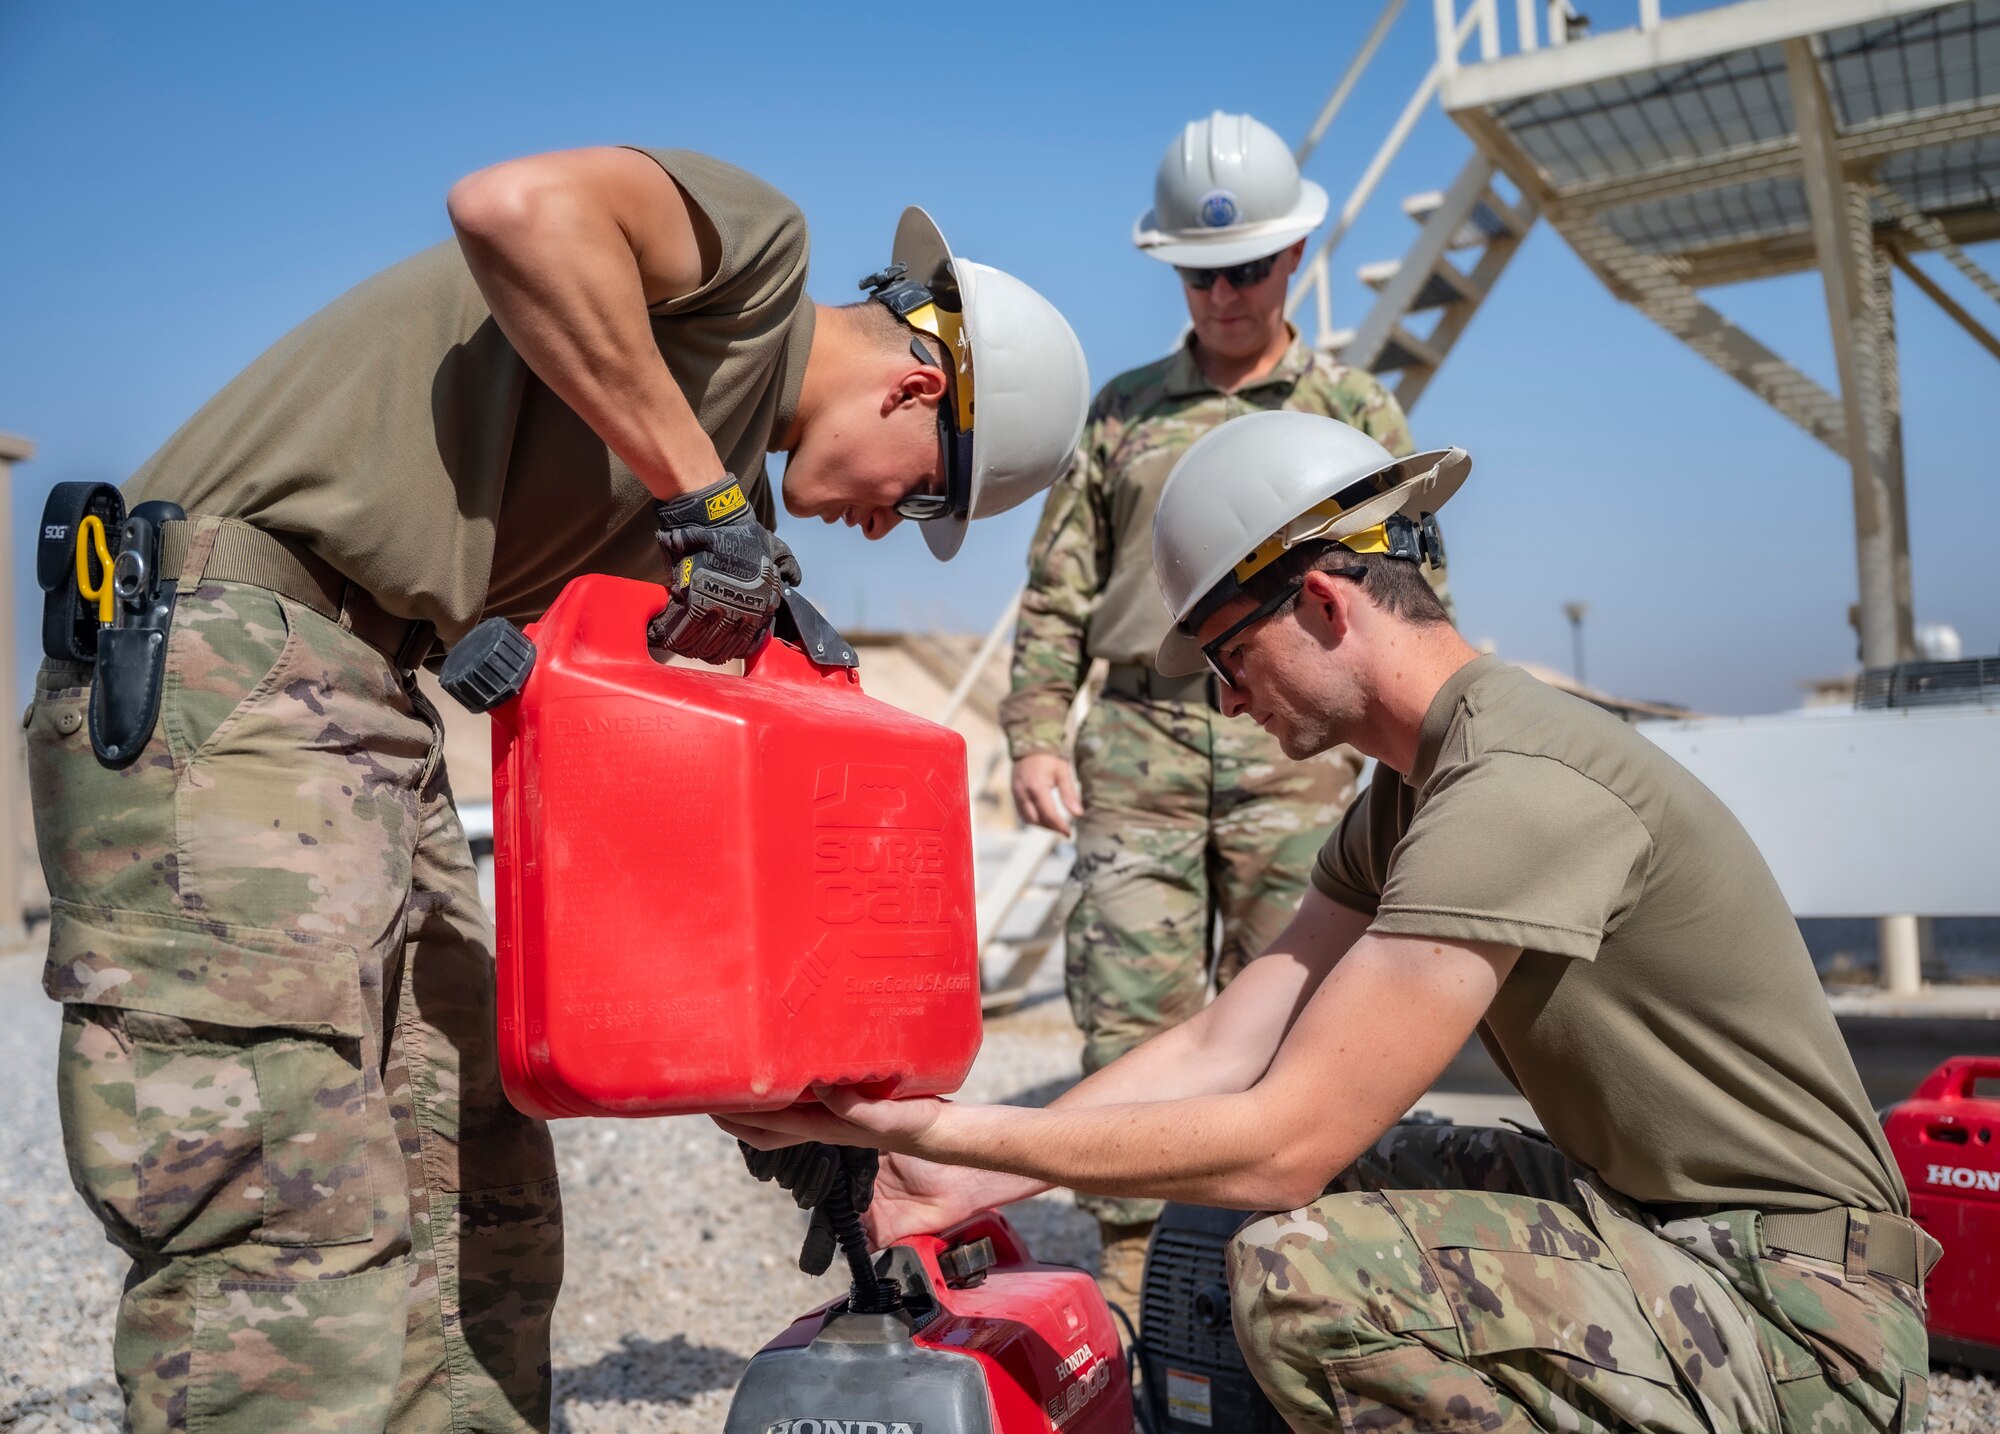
957, 1333
1947, 1143
965, 1333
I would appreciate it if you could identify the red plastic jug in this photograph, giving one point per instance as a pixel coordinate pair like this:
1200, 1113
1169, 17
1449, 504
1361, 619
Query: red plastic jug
1947, 1143
717, 890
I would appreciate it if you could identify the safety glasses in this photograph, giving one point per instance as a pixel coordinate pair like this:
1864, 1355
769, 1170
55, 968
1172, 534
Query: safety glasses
1240, 276
954, 455
1214, 652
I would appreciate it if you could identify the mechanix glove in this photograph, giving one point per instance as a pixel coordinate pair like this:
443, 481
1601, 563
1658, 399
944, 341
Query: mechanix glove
726, 574
808, 1171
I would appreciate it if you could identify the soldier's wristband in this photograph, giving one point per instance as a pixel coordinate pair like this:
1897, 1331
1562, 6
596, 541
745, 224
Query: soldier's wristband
720, 502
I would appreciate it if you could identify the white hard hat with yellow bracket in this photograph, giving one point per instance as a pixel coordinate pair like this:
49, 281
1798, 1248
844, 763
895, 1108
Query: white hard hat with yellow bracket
1258, 486
1019, 386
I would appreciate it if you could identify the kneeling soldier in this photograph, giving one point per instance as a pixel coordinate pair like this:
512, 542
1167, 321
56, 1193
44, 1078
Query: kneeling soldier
1712, 1237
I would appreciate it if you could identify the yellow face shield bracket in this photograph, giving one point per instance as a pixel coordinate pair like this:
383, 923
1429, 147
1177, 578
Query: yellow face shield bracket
1416, 541
926, 312
948, 327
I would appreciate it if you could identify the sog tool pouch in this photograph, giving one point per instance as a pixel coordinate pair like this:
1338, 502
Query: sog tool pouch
125, 701
132, 652
74, 570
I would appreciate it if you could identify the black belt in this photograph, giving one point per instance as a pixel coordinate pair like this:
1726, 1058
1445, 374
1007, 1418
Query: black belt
240, 553
1143, 682
1892, 1246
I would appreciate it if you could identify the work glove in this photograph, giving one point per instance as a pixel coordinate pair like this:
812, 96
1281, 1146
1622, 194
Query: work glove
726, 574
808, 1172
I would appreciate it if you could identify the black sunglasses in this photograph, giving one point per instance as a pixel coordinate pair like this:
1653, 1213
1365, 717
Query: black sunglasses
1211, 651
1240, 276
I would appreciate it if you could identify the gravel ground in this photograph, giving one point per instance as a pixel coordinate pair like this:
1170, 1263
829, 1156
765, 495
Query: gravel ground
679, 1265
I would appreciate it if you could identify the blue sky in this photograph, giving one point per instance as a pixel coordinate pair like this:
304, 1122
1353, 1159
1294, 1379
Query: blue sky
184, 184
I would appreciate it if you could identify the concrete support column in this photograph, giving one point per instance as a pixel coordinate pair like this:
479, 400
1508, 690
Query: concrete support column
1844, 238
1905, 940
1886, 419
13, 777
1902, 944
1860, 306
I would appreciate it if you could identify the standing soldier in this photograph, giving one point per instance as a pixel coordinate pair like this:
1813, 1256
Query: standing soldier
1184, 814
278, 1078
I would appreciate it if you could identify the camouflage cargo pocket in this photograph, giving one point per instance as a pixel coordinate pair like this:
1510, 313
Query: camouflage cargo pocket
184, 1137
1411, 1389
112, 838
210, 1081
296, 1355
105, 837
1844, 1356
1524, 1275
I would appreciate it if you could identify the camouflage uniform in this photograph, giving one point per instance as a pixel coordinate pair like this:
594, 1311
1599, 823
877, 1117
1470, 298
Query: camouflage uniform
1475, 1279
277, 1074
1186, 813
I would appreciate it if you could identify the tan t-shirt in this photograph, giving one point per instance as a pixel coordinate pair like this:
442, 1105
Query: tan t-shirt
399, 434
1664, 1018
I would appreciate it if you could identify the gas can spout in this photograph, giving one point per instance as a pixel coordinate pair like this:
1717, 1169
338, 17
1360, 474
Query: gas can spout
869, 1295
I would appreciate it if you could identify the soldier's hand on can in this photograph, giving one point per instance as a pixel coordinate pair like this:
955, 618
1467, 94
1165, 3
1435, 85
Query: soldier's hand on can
726, 574
1045, 792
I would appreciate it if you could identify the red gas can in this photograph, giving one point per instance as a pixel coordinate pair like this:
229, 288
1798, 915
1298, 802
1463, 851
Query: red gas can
1947, 1143
716, 890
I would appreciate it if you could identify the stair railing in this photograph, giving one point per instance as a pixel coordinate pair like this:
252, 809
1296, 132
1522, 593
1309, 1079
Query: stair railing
1536, 23
1480, 18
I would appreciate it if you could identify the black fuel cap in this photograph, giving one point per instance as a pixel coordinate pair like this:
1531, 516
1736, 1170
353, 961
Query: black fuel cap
967, 1264
489, 666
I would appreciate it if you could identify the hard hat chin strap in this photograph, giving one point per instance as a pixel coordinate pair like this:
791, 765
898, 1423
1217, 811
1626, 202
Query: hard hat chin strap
935, 314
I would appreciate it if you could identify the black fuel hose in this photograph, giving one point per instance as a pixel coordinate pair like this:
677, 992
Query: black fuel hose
869, 1295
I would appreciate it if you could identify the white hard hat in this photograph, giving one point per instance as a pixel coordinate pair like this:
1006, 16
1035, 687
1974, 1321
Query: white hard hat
1227, 192
1020, 389
1246, 492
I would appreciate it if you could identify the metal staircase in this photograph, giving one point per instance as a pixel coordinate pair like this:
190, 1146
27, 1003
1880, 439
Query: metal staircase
1469, 217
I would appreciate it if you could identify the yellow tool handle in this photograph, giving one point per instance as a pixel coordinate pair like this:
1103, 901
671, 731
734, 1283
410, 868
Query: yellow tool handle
89, 538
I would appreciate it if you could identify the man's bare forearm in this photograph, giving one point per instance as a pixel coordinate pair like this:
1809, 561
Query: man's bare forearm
1274, 1143
1186, 1061
557, 264
1207, 1149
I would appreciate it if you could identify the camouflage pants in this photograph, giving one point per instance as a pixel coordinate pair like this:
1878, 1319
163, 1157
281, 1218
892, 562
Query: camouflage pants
1187, 815
277, 1077
1474, 1279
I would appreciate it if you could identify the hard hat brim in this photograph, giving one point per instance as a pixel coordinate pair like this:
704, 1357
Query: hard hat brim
1219, 248
944, 536
921, 248
1424, 482
1179, 656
